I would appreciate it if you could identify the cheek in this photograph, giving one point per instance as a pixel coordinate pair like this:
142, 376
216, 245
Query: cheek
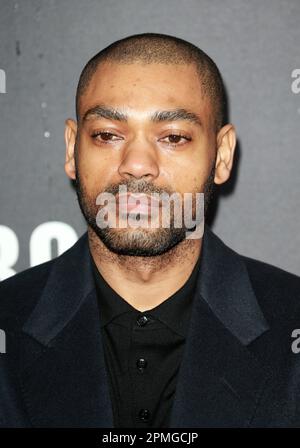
94, 170
190, 177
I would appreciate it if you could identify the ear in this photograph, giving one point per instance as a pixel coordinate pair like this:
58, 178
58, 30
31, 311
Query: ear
226, 142
70, 138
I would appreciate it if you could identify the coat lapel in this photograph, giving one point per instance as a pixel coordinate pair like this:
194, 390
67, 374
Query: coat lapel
220, 381
62, 373
62, 369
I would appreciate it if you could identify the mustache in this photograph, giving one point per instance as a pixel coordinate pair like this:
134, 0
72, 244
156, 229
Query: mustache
138, 187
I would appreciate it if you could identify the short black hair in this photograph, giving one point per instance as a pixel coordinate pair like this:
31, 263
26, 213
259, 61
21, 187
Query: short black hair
161, 48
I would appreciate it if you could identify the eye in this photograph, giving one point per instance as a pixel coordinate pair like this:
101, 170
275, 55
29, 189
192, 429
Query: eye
174, 139
104, 136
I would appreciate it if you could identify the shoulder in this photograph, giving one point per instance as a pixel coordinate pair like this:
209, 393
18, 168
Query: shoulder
19, 293
277, 290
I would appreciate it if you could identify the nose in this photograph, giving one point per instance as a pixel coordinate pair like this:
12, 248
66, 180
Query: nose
139, 159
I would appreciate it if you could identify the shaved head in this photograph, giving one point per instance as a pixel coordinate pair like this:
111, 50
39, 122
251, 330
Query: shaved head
149, 48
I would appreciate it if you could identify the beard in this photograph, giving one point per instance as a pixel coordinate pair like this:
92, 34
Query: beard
138, 242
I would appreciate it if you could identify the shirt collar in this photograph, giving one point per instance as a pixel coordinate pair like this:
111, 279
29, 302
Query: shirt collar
174, 311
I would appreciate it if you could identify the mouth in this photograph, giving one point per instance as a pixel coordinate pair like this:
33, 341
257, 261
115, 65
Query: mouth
137, 203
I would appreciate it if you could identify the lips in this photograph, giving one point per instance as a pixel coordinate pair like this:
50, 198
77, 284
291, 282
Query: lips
131, 201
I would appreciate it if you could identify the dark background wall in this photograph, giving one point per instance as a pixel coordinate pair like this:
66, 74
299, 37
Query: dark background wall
43, 47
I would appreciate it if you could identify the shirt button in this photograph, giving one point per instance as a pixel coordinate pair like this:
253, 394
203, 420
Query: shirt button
141, 364
142, 320
144, 415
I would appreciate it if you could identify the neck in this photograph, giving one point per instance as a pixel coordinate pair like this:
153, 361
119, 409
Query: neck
145, 282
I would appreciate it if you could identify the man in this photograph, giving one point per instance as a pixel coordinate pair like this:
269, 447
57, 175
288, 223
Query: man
138, 326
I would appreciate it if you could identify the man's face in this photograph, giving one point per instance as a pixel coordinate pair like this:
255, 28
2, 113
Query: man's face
145, 155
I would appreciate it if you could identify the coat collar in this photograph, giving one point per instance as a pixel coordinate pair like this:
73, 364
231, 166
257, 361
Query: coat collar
69, 284
223, 283
225, 286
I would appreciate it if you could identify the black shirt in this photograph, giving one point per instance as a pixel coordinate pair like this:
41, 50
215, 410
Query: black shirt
143, 352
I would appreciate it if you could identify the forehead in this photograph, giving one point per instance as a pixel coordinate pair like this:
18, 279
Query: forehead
146, 87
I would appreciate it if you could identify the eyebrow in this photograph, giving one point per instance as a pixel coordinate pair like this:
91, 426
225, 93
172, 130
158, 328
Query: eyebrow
157, 117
